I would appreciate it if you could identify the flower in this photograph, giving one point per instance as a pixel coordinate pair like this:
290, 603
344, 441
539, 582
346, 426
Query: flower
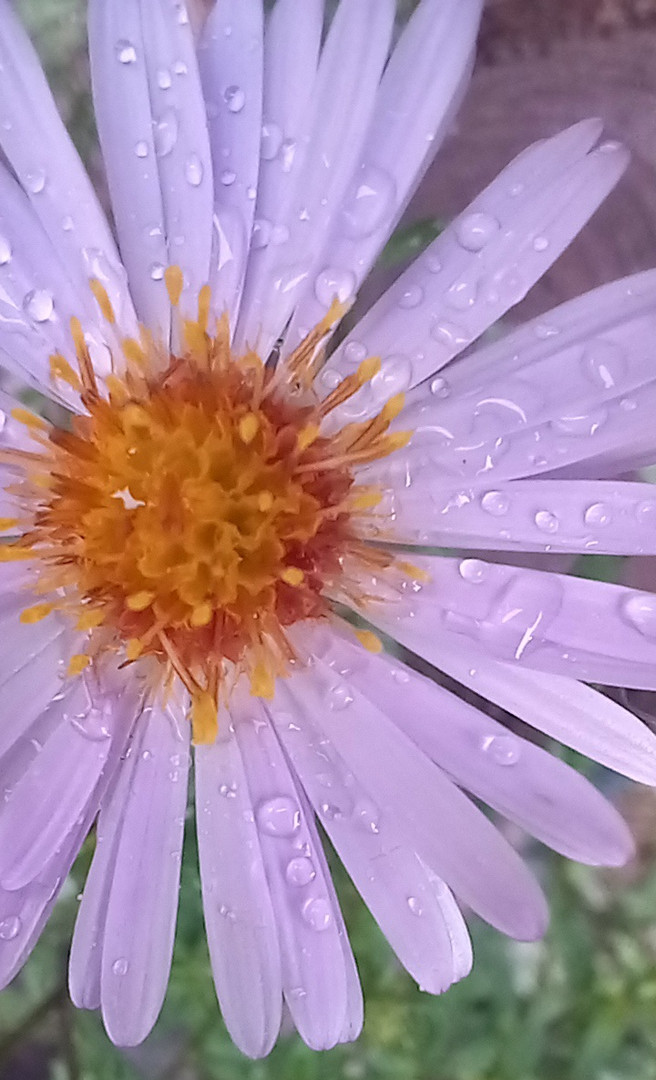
181, 549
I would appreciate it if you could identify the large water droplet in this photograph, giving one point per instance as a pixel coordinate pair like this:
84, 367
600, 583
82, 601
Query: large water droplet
546, 521
92, 724
39, 305
125, 52
370, 203
279, 816
333, 282
141, 149
411, 296
300, 871
461, 295
502, 749
476, 230
495, 503
439, 387
235, 99
35, 181
165, 133
317, 913
271, 141
472, 570
5, 251
10, 927
598, 514
121, 966
228, 177
194, 170
639, 610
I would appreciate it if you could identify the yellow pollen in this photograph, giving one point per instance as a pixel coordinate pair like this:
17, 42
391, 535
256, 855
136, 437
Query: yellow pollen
8, 523
265, 501
292, 575
90, 619
263, 683
140, 601
174, 284
103, 301
78, 663
204, 301
367, 500
133, 352
204, 718
61, 369
367, 369
13, 553
134, 649
371, 642
36, 613
202, 615
307, 435
413, 571
29, 419
249, 426
392, 408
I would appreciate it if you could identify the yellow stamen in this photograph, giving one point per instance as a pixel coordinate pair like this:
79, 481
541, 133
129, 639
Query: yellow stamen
204, 718
204, 302
140, 601
367, 369
29, 419
134, 649
77, 664
307, 435
263, 683
249, 426
133, 352
35, 614
292, 575
174, 284
102, 300
371, 642
90, 619
61, 369
201, 615
8, 523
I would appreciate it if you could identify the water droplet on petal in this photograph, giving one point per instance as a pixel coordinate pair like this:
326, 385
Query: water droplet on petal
339, 697
271, 141
503, 749
120, 966
228, 177
439, 387
639, 610
474, 231
125, 52
157, 271
604, 363
10, 927
235, 99
333, 282
92, 724
165, 133
164, 79
317, 913
279, 816
300, 871
411, 297
5, 251
370, 202
39, 305
495, 503
646, 513
546, 521
598, 514
141, 149
415, 906
228, 791
194, 170
540, 243
472, 570
36, 181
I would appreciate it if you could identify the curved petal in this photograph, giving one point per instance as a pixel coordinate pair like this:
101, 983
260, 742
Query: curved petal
143, 899
231, 64
513, 776
411, 118
153, 133
344, 94
481, 265
241, 926
392, 880
314, 972
466, 850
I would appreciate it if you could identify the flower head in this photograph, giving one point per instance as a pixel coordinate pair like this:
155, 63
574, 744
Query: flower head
184, 545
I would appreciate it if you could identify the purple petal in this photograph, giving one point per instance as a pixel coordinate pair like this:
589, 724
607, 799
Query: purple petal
143, 901
482, 264
314, 973
32, 677
230, 57
391, 878
153, 133
513, 776
410, 120
343, 100
241, 926
466, 851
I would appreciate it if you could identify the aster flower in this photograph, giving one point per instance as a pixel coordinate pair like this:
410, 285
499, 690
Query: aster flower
181, 549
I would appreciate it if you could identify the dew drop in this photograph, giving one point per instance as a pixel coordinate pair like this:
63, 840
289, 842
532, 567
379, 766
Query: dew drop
598, 514
235, 99
370, 202
546, 521
261, 233
495, 503
540, 243
194, 170
125, 52
10, 927
141, 149
228, 177
317, 914
271, 141
472, 570
157, 271
604, 363
439, 387
92, 724
120, 966
646, 512
415, 906
367, 816
339, 697
228, 791
5, 251
639, 610
279, 816
164, 80
165, 133
300, 871
333, 282
411, 297
503, 749
36, 181
180, 68
476, 230
39, 305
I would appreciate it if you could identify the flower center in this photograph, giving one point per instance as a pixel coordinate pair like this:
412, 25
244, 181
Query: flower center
195, 509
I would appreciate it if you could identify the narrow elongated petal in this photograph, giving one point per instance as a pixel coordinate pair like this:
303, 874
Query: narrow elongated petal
230, 56
143, 899
344, 95
29, 684
482, 264
588, 516
410, 120
542, 794
241, 926
42, 156
383, 865
153, 133
309, 933
466, 850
